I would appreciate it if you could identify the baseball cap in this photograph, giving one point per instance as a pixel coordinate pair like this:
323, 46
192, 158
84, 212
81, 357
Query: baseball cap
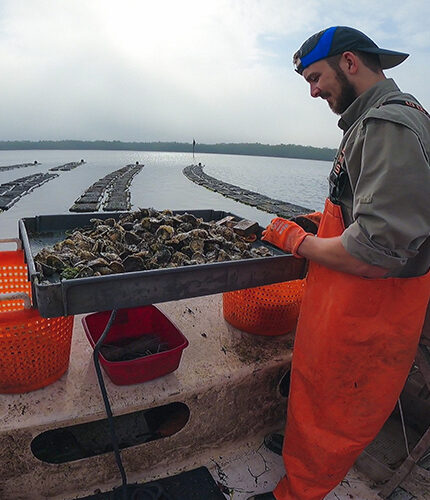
338, 39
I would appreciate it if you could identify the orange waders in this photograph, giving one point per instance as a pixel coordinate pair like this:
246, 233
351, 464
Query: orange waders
355, 343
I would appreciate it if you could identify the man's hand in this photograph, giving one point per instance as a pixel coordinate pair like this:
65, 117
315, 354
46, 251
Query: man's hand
285, 234
309, 222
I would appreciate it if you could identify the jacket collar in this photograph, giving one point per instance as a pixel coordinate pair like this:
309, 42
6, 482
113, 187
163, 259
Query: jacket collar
365, 101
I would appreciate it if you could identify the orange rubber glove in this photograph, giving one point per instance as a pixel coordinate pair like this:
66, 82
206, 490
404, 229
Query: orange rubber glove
309, 222
285, 234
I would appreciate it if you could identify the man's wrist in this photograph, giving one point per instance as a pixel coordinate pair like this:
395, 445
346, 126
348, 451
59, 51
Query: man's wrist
296, 250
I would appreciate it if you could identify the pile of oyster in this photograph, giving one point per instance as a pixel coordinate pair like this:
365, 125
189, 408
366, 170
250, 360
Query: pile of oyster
141, 240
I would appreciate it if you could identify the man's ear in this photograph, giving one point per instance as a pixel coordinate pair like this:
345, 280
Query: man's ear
349, 63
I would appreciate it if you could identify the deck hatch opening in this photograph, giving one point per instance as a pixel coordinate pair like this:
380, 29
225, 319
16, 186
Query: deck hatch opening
75, 442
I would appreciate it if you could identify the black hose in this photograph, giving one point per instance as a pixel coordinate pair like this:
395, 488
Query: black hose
152, 491
107, 404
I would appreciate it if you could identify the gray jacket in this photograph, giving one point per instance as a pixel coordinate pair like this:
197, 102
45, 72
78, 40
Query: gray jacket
385, 198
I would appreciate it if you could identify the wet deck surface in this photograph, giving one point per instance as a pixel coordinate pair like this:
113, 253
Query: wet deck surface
253, 469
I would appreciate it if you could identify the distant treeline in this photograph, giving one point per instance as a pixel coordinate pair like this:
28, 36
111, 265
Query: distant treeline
252, 149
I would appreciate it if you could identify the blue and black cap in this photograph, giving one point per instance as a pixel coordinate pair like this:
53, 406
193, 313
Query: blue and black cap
338, 39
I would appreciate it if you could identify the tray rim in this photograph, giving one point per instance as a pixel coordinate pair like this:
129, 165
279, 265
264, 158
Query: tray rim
63, 288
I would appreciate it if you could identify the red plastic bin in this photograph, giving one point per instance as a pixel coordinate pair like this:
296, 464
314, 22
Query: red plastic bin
133, 323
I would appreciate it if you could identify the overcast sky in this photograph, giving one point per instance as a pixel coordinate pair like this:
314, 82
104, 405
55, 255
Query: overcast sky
216, 71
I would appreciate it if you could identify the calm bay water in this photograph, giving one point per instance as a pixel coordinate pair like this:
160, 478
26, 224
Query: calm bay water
161, 183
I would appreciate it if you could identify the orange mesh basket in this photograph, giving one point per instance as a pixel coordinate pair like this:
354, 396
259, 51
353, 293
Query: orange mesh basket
265, 310
13, 278
34, 351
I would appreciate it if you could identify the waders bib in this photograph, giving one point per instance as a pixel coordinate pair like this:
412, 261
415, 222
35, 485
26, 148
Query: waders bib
355, 343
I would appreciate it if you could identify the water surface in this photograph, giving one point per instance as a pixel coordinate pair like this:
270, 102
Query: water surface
161, 183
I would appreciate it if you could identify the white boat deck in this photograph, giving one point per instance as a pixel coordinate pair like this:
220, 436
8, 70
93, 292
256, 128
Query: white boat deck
253, 469
229, 382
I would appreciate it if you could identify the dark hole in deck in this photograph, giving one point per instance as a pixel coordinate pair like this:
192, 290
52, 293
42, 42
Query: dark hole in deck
93, 438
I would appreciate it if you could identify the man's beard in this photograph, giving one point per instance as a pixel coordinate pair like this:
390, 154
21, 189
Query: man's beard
347, 94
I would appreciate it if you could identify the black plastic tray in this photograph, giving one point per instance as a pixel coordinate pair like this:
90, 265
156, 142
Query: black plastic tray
115, 291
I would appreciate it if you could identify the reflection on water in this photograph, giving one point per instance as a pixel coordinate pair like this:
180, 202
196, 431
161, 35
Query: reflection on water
161, 183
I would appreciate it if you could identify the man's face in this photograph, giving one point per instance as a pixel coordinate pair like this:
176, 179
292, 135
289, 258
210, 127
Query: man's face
331, 85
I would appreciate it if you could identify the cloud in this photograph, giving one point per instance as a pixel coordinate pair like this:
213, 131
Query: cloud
220, 71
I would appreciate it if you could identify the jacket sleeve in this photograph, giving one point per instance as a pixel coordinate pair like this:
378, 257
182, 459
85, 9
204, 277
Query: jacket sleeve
391, 209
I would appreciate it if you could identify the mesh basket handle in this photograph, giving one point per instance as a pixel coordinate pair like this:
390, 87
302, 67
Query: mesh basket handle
17, 296
12, 240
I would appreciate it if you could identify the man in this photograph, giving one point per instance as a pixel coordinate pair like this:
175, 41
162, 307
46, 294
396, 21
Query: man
368, 283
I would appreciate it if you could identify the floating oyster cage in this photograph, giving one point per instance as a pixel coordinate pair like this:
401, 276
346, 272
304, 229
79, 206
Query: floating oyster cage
140, 288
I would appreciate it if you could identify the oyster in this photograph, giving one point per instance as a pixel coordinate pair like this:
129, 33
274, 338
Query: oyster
141, 240
117, 267
55, 262
197, 245
164, 232
133, 263
180, 259
131, 238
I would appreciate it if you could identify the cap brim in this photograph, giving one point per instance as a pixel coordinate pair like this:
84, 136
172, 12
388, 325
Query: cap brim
388, 58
